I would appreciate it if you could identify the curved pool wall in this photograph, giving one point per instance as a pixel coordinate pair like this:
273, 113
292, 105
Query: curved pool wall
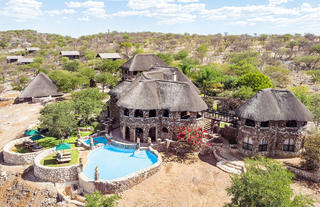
118, 185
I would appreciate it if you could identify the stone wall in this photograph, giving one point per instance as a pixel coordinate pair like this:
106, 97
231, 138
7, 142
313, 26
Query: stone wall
15, 158
274, 135
173, 125
120, 184
312, 176
114, 112
54, 174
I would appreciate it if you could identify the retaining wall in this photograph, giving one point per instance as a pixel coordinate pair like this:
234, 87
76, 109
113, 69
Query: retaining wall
15, 158
120, 184
54, 174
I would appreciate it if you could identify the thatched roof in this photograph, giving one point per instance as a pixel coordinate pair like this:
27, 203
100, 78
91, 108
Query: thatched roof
33, 49
69, 53
14, 57
40, 86
274, 105
143, 62
160, 88
109, 55
120, 88
25, 60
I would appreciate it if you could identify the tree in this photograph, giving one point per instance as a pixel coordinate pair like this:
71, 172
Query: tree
182, 54
205, 78
313, 104
166, 57
202, 51
315, 49
107, 79
311, 153
87, 103
279, 75
66, 80
256, 81
71, 66
97, 199
266, 183
244, 93
88, 75
58, 118
301, 92
243, 67
110, 66
126, 46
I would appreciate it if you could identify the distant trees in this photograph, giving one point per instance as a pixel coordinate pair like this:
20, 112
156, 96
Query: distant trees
166, 57
315, 49
182, 54
71, 66
107, 79
126, 46
265, 183
202, 51
279, 75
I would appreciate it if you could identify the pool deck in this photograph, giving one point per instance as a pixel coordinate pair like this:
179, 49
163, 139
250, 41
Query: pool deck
84, 156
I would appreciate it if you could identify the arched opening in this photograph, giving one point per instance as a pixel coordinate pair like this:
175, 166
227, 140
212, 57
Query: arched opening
165, 130
250, 123
263, 146
288, 145
138, 113
291, 123
199, 115
139, 134
127, 134
126, 112
165, 113
152, 134
152, 113
184, 115
247, 144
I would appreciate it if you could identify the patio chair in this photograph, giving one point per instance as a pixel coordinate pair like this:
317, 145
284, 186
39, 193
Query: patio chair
35, 147
63, 160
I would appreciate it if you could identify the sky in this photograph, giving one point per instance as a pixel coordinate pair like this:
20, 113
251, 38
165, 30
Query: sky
81, 17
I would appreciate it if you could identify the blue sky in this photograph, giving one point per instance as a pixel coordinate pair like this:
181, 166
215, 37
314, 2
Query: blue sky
76, 17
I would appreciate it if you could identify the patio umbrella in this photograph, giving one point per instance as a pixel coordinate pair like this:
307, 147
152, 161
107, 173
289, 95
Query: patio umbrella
63, 146
36, 137
32, 132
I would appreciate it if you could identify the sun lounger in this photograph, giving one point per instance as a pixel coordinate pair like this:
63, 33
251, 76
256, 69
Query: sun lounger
62, 160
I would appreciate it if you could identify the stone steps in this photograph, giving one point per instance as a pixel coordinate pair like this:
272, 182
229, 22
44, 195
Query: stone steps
230, 167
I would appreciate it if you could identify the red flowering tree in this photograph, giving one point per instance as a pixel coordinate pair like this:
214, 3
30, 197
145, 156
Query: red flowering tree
196, 137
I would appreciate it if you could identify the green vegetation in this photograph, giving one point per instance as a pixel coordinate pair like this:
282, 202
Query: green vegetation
166, 57
265, 183
49, 142
51, 161
19, 148
97, 199
256, 81
311, 153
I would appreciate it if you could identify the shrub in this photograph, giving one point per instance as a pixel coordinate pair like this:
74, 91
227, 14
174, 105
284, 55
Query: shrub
244, 93
315, 74
301, 92
181, 55
311, 153
166, 57
193, 136
278, 74
71, 66
265, 183
256, 81
66, 80
97, 199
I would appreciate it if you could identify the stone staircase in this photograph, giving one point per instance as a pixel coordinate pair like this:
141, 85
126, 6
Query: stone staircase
234, 167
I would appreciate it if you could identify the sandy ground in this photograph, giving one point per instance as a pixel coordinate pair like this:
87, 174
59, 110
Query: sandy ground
199, 184
15, 118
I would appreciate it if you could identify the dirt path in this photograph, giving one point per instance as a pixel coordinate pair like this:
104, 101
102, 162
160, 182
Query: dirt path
15, 118
180, 185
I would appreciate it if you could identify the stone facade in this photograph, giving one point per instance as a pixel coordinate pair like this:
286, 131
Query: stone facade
15, 158
274, 138
157, 126
54, 174
114, 112
120, 184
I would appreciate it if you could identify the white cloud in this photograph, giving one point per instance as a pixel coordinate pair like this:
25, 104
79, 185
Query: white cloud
277, 2
90, 8
60, 12
22, 9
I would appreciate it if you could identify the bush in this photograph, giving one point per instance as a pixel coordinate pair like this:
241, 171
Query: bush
71, 66
20, 83
97, 199
301, 92
66, 80
166, 57
315, 74
311, 153
278, 74
265, 183
181, 55
244, 93
256, 81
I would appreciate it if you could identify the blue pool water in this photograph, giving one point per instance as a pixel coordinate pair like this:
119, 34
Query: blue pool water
97, 140
114, 162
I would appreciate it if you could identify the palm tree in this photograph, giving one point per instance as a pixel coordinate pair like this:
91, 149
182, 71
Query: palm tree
205, 78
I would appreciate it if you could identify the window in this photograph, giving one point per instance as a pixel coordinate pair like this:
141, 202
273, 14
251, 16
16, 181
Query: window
135, 72
250, 123
165, 130
184, 115
304, 123
152, 113
291, 124
138, 113
288, 145
126, 112
263, 146
199, 115
264, 124
165, 113
247, 143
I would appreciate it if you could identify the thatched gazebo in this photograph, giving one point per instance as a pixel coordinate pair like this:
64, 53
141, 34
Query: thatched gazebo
41, 86
140, 63
272, 123
157, 104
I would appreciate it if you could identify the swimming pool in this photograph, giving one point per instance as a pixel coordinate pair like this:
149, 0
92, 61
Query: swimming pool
96, 141
114, 162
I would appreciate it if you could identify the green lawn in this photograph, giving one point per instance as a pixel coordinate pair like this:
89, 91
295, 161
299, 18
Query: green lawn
50, 160
84, 134
50, 142
19, 148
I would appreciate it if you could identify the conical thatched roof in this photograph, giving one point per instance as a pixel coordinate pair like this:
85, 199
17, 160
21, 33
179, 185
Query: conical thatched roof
143, 62
161, 88
274, 105
40, 86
